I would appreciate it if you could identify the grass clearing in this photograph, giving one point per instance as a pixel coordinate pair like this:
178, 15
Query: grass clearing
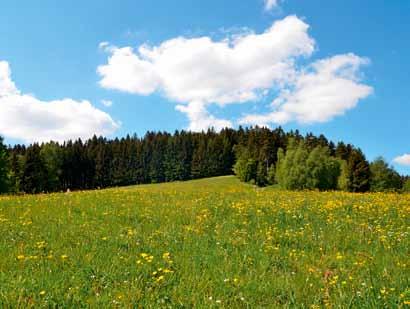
206, 243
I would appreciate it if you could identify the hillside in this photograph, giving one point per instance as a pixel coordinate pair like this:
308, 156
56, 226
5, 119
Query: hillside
207, 243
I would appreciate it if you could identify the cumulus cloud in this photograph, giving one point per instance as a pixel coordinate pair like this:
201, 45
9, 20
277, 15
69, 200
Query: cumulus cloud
200, 118
200, 69
403, 160
26, 118
198, 72
326, 89
270, 4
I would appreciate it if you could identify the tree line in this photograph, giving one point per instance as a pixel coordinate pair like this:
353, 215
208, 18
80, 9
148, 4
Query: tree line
310, 162
258, 155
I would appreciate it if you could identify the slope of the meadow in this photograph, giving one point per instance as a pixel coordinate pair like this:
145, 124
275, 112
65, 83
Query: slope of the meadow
207, 243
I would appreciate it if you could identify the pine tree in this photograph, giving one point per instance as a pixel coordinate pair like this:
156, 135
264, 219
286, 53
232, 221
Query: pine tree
34, 178
257, 155
4, 185
261, 174
103, 177
16, 163
198, 168
52, 158
359, 170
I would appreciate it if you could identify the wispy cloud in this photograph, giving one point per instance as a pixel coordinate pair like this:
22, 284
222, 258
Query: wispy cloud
271, 4
106, 103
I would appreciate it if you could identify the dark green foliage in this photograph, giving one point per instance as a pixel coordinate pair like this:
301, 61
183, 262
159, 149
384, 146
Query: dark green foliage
355, 175
34, 177
198, 166
359, 169
3, 167
51, 155
101, 163
257, 155
262, 174
383, 177
102, 166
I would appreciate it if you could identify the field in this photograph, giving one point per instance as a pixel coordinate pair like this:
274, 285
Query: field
207, 243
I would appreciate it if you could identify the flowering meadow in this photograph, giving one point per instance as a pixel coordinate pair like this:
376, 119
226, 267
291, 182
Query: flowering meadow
205, 244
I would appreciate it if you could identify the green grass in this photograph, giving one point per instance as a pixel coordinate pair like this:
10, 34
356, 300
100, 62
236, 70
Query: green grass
207, 243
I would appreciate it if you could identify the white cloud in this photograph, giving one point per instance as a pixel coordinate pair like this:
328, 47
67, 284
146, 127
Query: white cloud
403, 160
270, 4
200, 118
127, 72
26, 118
7, 86
326, 89
106, 103
200, 71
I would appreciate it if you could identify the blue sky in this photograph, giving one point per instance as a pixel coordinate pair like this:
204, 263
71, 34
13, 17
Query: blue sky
353, 53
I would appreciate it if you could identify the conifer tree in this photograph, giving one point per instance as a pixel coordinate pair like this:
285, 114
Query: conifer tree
3, 167
52, 158
15, 172
359, 171
34, 178
257, 155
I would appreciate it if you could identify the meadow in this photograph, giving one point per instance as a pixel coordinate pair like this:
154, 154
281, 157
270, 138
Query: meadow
213, 243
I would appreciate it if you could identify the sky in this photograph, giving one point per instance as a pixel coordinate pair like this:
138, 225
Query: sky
72, 69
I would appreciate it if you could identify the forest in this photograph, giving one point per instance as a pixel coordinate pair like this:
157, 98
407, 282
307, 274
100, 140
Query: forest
261, 156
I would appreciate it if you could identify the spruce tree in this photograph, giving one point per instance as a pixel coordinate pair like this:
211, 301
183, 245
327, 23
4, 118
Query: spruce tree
52, 158
359, 170
34, 178
16, 162
3, 167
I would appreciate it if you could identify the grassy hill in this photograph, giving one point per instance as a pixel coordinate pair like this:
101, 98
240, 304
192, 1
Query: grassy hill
205, 243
